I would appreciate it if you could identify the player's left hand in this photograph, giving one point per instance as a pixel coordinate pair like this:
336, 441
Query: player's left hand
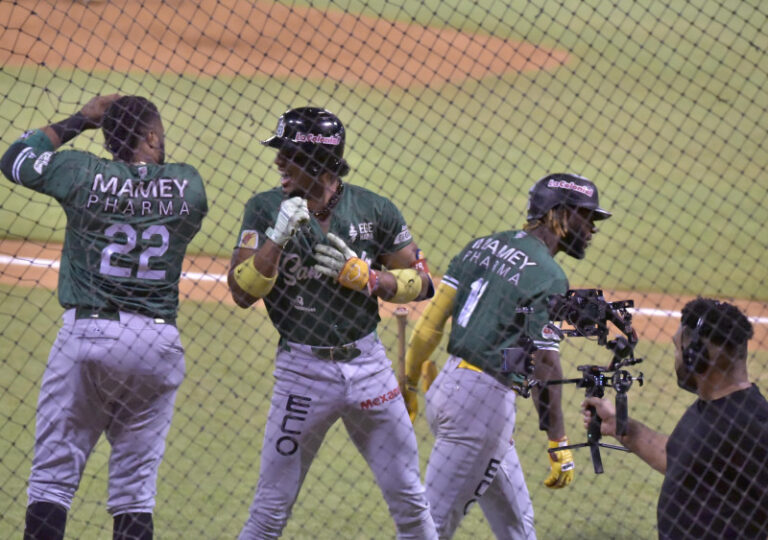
561, 466
341, 263
94, 110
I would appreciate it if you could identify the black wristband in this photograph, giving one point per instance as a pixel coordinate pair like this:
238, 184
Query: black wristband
71, 127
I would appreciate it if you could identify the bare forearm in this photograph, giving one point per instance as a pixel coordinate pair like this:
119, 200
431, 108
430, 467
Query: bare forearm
548, 398
649, 445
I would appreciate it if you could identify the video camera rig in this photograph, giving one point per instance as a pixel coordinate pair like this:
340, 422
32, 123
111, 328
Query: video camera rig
588, 313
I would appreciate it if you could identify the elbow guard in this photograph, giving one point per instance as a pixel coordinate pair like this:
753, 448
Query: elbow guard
408, 285
251, 281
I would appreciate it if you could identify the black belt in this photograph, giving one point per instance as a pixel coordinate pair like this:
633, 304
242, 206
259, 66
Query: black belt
344, 353
108, 314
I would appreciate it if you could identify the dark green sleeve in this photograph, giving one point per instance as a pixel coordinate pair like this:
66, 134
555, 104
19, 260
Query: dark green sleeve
257, 218
31, 162
537, 321
392, 231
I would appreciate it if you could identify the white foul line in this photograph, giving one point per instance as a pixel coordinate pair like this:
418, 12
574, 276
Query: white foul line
220, 278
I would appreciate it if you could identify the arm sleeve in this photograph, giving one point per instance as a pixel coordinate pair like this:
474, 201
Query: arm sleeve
256, 221
428, 331
31, 162
393, 231
536, 323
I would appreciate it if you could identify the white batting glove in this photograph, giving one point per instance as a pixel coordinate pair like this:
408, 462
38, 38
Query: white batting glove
338, 261
293, 213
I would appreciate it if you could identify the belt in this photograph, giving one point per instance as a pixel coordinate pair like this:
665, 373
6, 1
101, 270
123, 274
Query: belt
344, 353
497, 375
109, 314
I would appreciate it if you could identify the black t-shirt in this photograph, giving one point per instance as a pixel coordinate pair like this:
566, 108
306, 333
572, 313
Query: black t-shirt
716, 484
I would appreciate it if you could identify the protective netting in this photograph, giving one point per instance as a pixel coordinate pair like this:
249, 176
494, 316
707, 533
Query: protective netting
452, 110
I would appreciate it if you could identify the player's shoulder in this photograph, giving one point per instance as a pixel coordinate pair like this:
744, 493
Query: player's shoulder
365, 195
269, 199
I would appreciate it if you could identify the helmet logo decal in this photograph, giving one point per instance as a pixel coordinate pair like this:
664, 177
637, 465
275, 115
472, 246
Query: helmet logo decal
563, 184
317, 139
280, 127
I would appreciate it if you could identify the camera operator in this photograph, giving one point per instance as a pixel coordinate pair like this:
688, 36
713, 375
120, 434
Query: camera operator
496, 290
715, 463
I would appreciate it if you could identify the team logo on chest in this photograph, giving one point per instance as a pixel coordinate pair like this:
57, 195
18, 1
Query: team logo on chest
364, 231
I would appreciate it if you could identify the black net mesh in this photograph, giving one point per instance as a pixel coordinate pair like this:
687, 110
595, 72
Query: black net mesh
452, 110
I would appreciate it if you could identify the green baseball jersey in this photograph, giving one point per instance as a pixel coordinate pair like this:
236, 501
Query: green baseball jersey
128, 225
502, 282
306, 306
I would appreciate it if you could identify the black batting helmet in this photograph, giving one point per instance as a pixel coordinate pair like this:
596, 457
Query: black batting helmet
317, 134
563, 189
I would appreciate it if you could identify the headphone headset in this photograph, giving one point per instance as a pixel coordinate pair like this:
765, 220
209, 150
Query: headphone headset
695, 354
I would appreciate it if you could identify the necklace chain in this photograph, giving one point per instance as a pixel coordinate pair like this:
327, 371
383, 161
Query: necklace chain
332, 202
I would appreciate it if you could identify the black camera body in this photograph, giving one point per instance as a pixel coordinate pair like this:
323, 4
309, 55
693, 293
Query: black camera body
587, 311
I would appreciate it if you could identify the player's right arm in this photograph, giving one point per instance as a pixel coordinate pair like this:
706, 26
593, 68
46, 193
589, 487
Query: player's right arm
425, 338
26, 159
253, 270
648, 444
252, 273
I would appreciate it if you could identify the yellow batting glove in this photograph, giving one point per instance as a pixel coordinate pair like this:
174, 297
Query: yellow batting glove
560, 464
340, 262
411, 397
354, 274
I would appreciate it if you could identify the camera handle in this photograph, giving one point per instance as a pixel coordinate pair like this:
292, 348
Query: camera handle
594, 381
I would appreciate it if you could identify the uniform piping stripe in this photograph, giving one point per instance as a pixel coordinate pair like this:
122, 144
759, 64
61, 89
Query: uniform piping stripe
18, 162
451, 282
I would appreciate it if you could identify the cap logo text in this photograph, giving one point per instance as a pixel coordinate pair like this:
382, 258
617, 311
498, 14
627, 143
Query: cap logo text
317, 139
562, 184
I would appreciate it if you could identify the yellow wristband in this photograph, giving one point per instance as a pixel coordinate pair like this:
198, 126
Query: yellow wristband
250, 280
408, 285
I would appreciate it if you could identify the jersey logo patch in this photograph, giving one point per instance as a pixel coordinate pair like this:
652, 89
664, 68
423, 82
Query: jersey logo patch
249, 239
42, 162
549, 334
403, 236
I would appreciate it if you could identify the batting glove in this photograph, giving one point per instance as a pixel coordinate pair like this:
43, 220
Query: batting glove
561, 465
293, 213
338, 261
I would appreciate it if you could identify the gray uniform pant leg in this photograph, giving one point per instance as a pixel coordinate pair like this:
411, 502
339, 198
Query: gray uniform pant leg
113, 377
384, 436
506, 503
472, 417
310, 394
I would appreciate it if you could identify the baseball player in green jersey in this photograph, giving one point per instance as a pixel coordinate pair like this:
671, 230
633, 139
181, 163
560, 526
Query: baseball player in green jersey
496, 291
117, 361
321, 253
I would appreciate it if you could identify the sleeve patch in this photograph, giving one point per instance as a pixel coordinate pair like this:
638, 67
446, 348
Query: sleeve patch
27, 153
42, 162
403, 236
249, 239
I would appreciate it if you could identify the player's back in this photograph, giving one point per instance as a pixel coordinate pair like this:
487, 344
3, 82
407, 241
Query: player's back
128, 227
502, 284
